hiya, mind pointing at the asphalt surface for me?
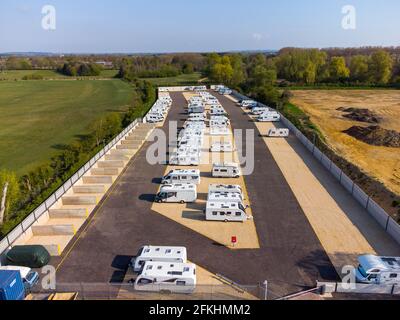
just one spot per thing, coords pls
(291, 257)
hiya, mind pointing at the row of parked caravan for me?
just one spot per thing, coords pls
(221, 89)
(160, 109)
(265, 114)
(225, 202)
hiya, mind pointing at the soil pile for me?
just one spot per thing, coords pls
(360, 115)
(376, 136)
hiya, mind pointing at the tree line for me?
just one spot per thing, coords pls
(21, 195)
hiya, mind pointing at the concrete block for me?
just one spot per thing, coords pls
(53, 230)
(129, 147)
(79, 200)
(111, 164)
(123, 152)
(118, 157)
(105, 171)
(89, 189)
(68, 213)
(98, 180)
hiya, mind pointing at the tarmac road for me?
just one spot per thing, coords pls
(291, 256)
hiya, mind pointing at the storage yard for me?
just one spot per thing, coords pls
(221, 233)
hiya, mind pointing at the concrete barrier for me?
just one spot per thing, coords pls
(378, 213)
(123, 152)
(111, 164)
(393, 229)
(68, 213)
(53, 230)
(105, 171)
(360, 196)
(347, 183)
(98, 180)
(89, 189)
(79, 200)
(116, 157)
(365, 288)
(336, 171)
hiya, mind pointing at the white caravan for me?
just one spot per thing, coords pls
(230, 188)
(184, 159)
(278, 133)
(177, 193)
(225, 91)
(220, 131)
(154, 118)
(196, 109)
(226, 211)
(222, 147)
(248, 103)
(269, 117)
(182, 176)
(259, 110)
(167, 277)
(226, 170)
(156, 253)
(225, 197)
(378, 270)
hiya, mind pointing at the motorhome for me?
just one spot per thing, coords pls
(29, 277)
(226, 170)
(167, 277)
(222, 147)
(248, 103)
(226, 211)
(182, 176)
(232, 188)
(269, 117)
(196, 109)
(259, 110)
(225, 91)
(220, 131)
(225, 197)
(378, 270)
(157, 253)
(154, 118)
(185, 159)
(278, 132)
(177, 193)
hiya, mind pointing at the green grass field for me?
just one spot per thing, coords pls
(47, 74)
(36, 116)
(178, 80)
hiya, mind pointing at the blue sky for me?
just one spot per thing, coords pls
(194, 25)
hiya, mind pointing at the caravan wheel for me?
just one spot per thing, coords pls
(182, 202)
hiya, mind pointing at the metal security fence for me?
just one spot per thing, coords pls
(126, 291)
(45, 206)
(377, 212)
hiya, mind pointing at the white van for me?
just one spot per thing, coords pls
(182, 176)
(222, 147)
(278, 132)
(177, 193)
(269, 117)
(29, 277)
(167, 277)
(378, 270)
(217, 112)
(225, 197)
(156, 253)
(226, 211)
(226, 170)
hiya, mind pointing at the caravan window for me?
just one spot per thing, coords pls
(393, 276)
(144, 281)
(181, 283)
(215, 213)
(238, 214)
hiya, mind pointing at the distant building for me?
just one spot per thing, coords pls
(106, 64)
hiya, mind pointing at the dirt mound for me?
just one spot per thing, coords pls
(360, 115)
(376, 136)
